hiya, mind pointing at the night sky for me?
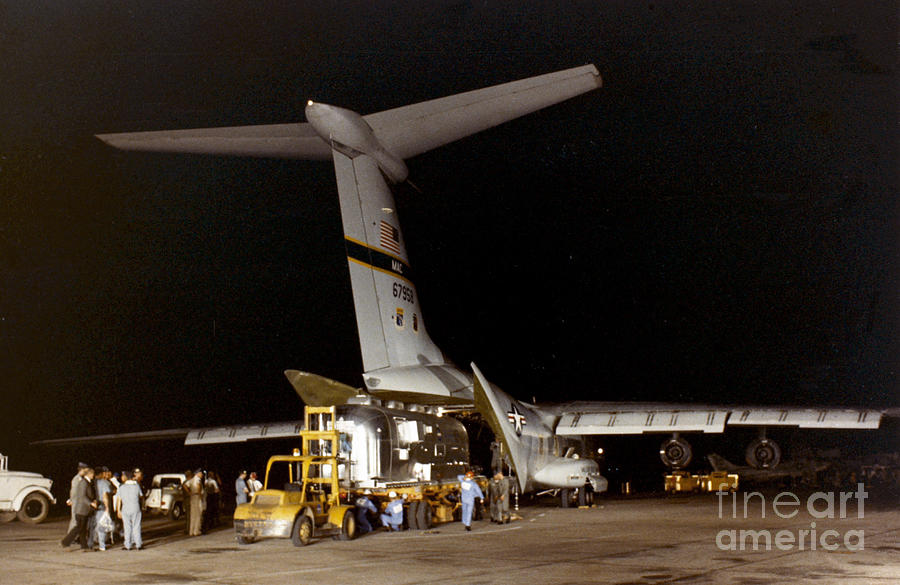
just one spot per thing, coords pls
(718, 223)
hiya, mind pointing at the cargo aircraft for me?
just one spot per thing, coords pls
(544, 444)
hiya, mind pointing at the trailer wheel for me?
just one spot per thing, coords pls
(411, 515)
(243, 540)
(302, 532)
(423, 516)
(348, 526)
(35, 508)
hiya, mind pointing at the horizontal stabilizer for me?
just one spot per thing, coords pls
(275, 141)
(438, 384)
(417, 128)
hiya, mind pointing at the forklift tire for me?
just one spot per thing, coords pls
(423, 516)
(302, 532)
(411, 517)
(348, 526)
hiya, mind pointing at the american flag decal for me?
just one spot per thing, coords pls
(390, 237)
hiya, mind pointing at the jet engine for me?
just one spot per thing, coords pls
(675, 452)
(763, 453)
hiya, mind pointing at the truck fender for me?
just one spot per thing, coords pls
(23, 493)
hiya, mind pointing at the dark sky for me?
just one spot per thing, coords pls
(718, 223)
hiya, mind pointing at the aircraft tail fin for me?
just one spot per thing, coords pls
(369, 152)
(508, 418)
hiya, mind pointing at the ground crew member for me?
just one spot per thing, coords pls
(498, 489)
(393, 516)
(195, 489)
(470, 491)
(363, 506)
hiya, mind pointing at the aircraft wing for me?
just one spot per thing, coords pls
(204, 436)
(628, 419)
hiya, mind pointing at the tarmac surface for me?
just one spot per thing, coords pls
(647, 540)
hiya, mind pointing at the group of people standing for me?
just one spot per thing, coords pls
(245, 486)
(202, 500)
(101, 501)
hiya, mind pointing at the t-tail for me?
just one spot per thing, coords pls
(400, 361)
(540, 458)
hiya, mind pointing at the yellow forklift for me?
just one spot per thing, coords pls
(307, 504)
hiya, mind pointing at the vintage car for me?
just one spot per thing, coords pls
(24, 495)
(166, 496)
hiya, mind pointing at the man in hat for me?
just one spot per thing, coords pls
(363, 507)
(499, 492)
(393, 514)
(241, 489)
(469, 491)
(79, 476)
(195, 488)
(83, 506)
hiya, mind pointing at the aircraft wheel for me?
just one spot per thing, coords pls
(675, 452)
(763, 454)
(35, 508)
(348, 526)
(423, 516)
(302, 532)
(565, 498)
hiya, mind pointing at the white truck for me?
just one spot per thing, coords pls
(24, 495)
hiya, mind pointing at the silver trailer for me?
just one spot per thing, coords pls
(387, 444)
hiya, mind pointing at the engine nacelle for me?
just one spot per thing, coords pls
(763, 453)
(675, 452)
